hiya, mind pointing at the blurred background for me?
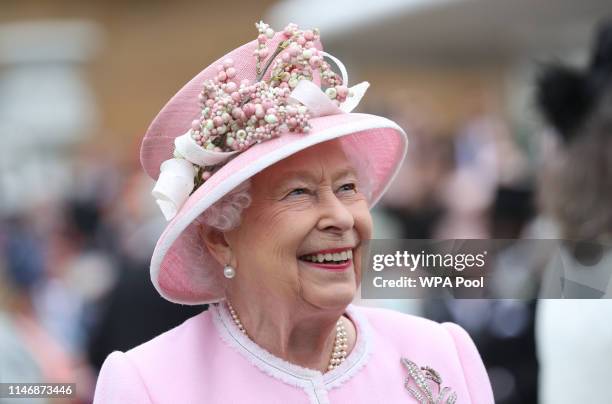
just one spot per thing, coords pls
(81, 81)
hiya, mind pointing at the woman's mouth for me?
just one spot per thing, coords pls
(337, 259)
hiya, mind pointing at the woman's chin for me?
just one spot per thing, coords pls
(336, 297)
(327, 287)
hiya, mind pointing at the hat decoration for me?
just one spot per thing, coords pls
(235, 116)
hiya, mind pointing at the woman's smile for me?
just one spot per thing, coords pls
(334, 259)
(333, 267)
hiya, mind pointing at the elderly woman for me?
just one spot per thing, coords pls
(268, 181)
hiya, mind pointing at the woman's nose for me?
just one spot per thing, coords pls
(335, 215)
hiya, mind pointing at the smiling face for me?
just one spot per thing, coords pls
(304, 210)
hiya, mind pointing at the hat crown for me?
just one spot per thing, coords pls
(235, 113)
(172, 122)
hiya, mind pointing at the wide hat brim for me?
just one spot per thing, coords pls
(182, 269)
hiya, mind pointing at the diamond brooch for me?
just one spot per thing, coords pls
(419, 386)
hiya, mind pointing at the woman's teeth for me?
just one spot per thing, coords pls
(329, 257)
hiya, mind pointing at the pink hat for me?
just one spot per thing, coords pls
(220, 129)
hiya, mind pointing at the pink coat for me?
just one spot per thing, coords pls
(208, 360)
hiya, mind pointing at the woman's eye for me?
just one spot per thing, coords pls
(298, 191)
(348, 187)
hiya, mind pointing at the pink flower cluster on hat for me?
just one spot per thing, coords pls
(236, 116)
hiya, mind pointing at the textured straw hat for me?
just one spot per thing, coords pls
(255, 106)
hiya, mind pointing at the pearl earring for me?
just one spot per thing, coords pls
(229, 272)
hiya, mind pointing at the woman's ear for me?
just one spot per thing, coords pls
(217, 244)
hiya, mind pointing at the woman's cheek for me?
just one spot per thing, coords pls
(363, 224)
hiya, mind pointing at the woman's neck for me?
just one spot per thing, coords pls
(300, 335)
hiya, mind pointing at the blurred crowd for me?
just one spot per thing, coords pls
(74, 278)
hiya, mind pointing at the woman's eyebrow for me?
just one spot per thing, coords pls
(345, 172)
(297, 175)
(310, 177)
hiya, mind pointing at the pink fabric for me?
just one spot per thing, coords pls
(205, 360)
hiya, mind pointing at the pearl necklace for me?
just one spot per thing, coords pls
(338, 354)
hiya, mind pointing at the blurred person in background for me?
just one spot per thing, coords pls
(412, 206)
(29, 353)
(488, 167)
(575, 336)
(119, 321)
(60, 261)
(485, 194)
(65, 267)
